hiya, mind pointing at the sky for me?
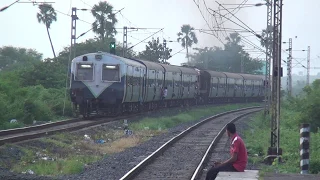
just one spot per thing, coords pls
(19, 26)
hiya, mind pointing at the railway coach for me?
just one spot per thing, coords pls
(102, 83)
(230, 87)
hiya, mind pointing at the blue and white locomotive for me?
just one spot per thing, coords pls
(104, 83)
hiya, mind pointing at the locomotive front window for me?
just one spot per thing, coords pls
(110, 73)
(84, 72)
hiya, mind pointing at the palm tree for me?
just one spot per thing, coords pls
(187, 37)
(105, 20)
(46, 16)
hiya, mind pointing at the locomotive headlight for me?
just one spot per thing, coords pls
(111, 67)
(86, 66)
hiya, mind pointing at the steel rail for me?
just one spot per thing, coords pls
(213, 144)
(135, 170)
(19, 136)
(31, 128)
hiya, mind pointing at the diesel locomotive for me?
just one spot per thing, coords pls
(106, 84)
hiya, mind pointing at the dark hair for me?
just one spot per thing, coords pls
(231, 128)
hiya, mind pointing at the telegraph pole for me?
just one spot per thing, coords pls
(74, 19)
(308, 66)
(125, 40)
(274, 150)
(289, 69)
(269, 48)
(164, 50)
(242, 64)
(72, 50)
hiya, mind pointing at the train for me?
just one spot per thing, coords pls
(105, 84)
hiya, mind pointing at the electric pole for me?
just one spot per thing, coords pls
(125, 41)
(242, 64)
(164, 50)
(289, 69)
(308, 66)
(72, 52)
(274, 150)
(74, 19)
(269, 48)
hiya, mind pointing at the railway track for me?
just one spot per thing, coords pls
(21, 134)
(185, 155)
(25, 133)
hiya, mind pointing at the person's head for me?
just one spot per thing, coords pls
(231, 129)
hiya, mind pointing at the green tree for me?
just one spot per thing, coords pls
(266, 40)
(12, 57)
(155, 52)
(227, 59)
(92, 46)
(307, 104)
(46, 16)
(187, 37)
(104, 24)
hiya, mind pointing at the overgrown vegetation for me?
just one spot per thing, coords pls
(67, 153)
(34, 89)
(301, 109)
(165, 122)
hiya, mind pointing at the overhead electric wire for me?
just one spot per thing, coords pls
(86, 4)
(144, 39)
(6, 7)
(67, 14)
(237, 8)
(176, 53)
(206, 20)
(205, 5)
(252, 31)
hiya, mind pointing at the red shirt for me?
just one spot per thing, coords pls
(238, 146)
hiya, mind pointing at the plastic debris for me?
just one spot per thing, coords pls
(87, 137)
(128, 132)
(29, 171)
(100, 141)
(13, 121)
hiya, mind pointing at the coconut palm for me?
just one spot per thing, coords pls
(187, 37)
(46, 16)
(105, 20)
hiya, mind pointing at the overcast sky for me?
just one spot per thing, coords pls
(19, 26)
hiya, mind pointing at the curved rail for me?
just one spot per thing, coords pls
(134, 171)
(31, 128)
(211, 146)
(21, 134)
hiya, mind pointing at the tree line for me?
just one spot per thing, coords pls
(228, 58)
(33, 88)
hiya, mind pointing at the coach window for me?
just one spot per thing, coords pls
(84, 72)
(110, 73)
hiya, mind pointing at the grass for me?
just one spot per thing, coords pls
(165, 122)
(71, 152)
(257, 140)
(71, 165)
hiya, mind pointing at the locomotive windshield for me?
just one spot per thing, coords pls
(84, 72)
(110, 73)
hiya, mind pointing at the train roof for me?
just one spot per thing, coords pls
(150, 65)
(215, 73)
(233, 75)
(128, 61)
(186, 70)
(251, 77)
(170, 68)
